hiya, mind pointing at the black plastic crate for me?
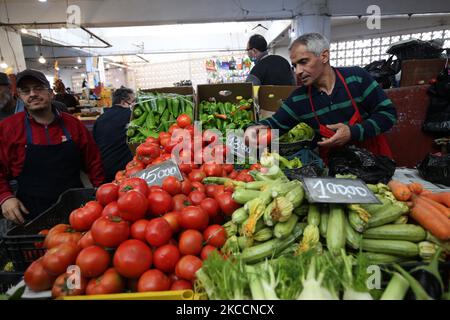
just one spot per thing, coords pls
(8, 279)
(23, 242)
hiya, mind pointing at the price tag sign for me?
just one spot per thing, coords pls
(332, 190)
(238, 148)
(156, 174)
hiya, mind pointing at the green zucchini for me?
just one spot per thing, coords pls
(283, 229)
(242, 196)
(263, 235)
(394, 247)
(239, 216)
(314, 215)
(353, 238)
(407, 232)
(390, 214)
(271, 248)
(382, 258)
(324, 215)
(356, 222)
(336, 235)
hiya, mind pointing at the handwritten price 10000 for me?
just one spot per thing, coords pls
(332, 188)
(151, 176)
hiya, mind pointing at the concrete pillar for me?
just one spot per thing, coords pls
(12, 51)
(314, 17)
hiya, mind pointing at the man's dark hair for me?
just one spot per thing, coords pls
(257, 42)
(121, 94)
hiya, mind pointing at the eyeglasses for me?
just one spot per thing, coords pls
(27, 91)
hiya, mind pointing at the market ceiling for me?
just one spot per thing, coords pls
(110, 13)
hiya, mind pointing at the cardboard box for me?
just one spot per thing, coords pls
(225, 92)
(270, 98)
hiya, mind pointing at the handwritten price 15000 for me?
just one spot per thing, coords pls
(332, 188)
(151, 176)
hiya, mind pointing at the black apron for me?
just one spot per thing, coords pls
(48, 171)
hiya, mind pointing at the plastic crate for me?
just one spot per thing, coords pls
(8, 279)
(21, 241)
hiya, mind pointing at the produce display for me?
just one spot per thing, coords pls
(155, 113)
(242, 234)
(226, 116)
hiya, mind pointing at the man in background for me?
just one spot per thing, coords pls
(7, 101)
(269, 69)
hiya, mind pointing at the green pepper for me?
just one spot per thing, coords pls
(148, 133)
(189, 109)
(131, 132)
(150, 121)
(182, 104)
(169, 104)
(137, 112)
(153, 103)
(139, 121)
(161, 103)
(176, 107)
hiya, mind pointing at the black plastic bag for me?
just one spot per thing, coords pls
(361, 163)
(384, 71)
(436, 169)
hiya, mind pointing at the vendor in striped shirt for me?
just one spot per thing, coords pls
(343, 105)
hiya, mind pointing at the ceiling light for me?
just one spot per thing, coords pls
(117, 80)
(108, 66)
(3, 64)
(42, 59)
(120, 69)
(83, 75)
(76, 67)
(42, 0)
(292, 34)
(79, 60)
(24, 31)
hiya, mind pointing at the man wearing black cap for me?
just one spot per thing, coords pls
(44, 150)
(7, 102)
(269, 69)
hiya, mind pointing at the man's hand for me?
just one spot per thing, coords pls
(251, 134)
(12, 210)
(340, 138)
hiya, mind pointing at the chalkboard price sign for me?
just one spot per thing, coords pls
(332, 190)
(156, 174)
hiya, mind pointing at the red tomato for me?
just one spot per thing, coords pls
(166, 258)
(172, 219)
(61, 289)
(159, 203)
(171, 185)
(93, 261)
(191, 242)
(146, 152)
(109, 282)
(86, 240)
(228, 168)
(40, 244)
(132, 205)
(226, 203)
(196, 197)
(165, 140)
(186, 187)
(264, 136)
(181, 285)
(107, 193)
(153, 280)
(61, 233)
(132, 258)
(180, 201)
(207, 250)
(81, 219)
(212, 170)
(233, 174)
(158, 232)
(210, 190)
(152, 140)
(173, 127)
(137, 229)
(197, 175)
(218, 190)
(137, 184)
(187, 267)
(255, 166)
(163, 135)
(185, 167)
(210, 136)
(57, 259)
(215, 235)
(193, 218)
(110, 231)
(183, 120)
(198, 186)
(36, 278)
(211, 206)
(120, 176)
(111, 209)
(154, 188)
